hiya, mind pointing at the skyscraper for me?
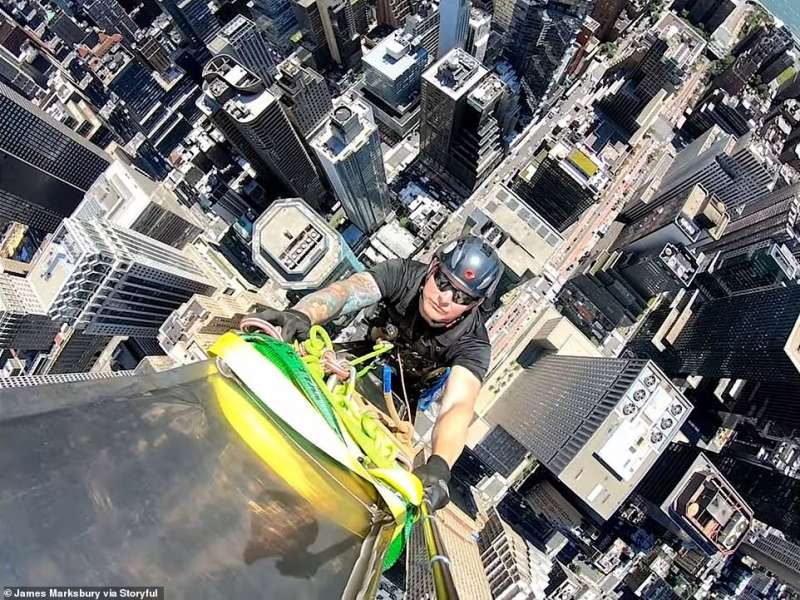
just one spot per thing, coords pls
(754, 336)
(194, 19)
(477, 147)
(392, 79)
(771, 217)
(303, 94)
(736, 171)
(560, 183)
(275, 19)
(243, 41)
(107, 280)
(775, 497)
(252, 119)
(349, 149)
(425, 24)
(686, 493)
(297, 248)
(453, 25)
(393, 12)
(539, 42)
(445, 86)
(695, 219)
(127, 198)
(111, 17)
(657, 76)
(598, 424)
(759, 266)
(45, 167)
(393, 70)
(480, 25)
(24, 322)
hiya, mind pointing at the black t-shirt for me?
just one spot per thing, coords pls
(466, 343)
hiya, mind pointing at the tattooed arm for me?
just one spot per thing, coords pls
(354, 293)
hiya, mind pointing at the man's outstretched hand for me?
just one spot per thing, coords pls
(435, 476)
(295, 325)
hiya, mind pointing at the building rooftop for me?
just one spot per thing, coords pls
(487, 92)
(524, 241)
(394, 55)
(455, 73)
(294, 245)
(348, 128)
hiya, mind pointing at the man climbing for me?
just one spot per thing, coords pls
(436, 309)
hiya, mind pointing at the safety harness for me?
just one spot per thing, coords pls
(334, 417)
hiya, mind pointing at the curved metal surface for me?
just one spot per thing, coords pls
(147, 482)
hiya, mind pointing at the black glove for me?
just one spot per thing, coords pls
(435, 475)
(294, 324)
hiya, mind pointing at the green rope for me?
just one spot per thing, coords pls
(395, 549)
(283, 356)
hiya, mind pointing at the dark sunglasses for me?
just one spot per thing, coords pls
(445, 285)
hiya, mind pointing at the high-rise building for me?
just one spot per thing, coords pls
(127, 198)
(598, 424)
(106, 280)
(153, 53)
(774, 552)
(243, 41)
(74, 352)
(194, 19)
(635, 101)
(393, 69)
(331, 24)
(753, 336)
(756, 50)
(453, 25)
(303, 94)
(275, 19)
(539, 42)
(45, 168)
(393, 12)
(192, 329)
(561, 183)
(309, 20)
(65, 27)
(736, 171)
(110, 16)
(686, 221)
(480, 25)
(445, 87)
(606, 13)
(733, 114)
(759, 266)
(349, 149)
(392, 80)
(775, 497)
(514, 567)
(477, 147)
(251, 118)
(297, 249)
(424, 23)
(458, 532)
(771, 217)
(686, 493)
(24, 322)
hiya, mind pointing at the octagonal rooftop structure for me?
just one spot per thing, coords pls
(294, 246)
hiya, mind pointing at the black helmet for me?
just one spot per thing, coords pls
(472, 265)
